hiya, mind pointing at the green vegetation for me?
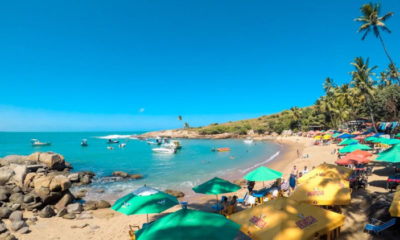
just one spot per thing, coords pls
(366, 95)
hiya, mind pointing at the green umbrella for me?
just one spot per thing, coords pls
(393, 141)
(348, 141)
(263, 174)
(390, 155)
(397, 135)
(189, 224)
(216, 186)
(336, 135)
(370, 139)
(353, 147)
(145, 200)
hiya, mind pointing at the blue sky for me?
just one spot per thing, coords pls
(136, 65)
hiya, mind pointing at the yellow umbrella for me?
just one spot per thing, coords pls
(327, 170)
(327, 137)
(323, 191)
(317, 137)
(394, 209)
(285, 219)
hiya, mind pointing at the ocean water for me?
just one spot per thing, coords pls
(190, 166)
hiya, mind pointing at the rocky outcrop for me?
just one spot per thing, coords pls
(175, 193)
(121, 174)
(52, 160)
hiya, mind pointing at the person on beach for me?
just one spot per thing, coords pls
(250, 186)
(292, 183)
(233, 203)
(298, 153)
(305, 171)
(295, 172)
(285, 186)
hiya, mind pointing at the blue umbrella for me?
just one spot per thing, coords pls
(346, 135)
(377, 134)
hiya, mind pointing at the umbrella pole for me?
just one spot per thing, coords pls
(147, 216)
(263, 184)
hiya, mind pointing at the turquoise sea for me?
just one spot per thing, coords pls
(191, 165)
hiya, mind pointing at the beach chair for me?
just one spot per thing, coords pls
(373, 227)
(242, 200)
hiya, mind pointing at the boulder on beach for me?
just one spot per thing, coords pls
(135, 176)
(103, 204)
(5, 174)
(175, 193)
(120, 174)
(5, 212)
(64, 201)
(74, 208)
(47, 212)
(52, 160)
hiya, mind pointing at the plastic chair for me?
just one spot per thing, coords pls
(242, 200)
(371, 227)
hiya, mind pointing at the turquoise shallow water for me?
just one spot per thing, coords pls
(192, 165)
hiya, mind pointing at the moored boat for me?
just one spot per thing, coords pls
(248, 141)
(37, 143)
(84, 143)
(223, 149)
(110, 141)
(164, 150)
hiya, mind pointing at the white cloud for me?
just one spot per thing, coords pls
(141, 110)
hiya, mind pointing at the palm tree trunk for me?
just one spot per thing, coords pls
(372, 117)
(390, 59)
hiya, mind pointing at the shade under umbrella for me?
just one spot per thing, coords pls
(347, 141)
(145, 200)
(391, 155)
(189, 224)
(263, 174)
(354, 147)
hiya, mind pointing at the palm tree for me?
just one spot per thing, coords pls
(371, 21)
(363, 84)
(296, 114)
(186, 125)
(392, 73)
(180, 118)
(384, 80)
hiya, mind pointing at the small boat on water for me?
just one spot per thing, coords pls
(248, 141)
(110, 148)
(223, 149)
(164, 150)
(122, 145)
(151, 143)
(84, 143)
(37, 143)
(110, 141)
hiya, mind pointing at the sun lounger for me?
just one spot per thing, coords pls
(372, 227)
(243, 200)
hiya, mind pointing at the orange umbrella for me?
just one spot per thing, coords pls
(352, 159)
(360, 153)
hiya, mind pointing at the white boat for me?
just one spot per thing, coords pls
(152, 143)
(37, 143)
(84, 143)
(248, 141)
(110, 148)
(164, 150)
(122, 145)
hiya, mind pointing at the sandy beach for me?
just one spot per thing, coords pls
(108, 224)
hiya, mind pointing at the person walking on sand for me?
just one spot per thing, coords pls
(295, 172)
(305, 171)
(292, 183)
(298, 153)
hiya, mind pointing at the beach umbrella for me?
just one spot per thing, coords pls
(360, 137)
(323, 191)
(391, 155)
(351, 159)
(346, 135)
(317, 137)
(360, 153)
(145, 200)
(377, 134)
(216, 186)
(336, 135)
(326, 170)
(326, 137)
(393, 141)
(348, 141)
(262, 174)
(284, 218)
(370, 139)
(353, 147)
(189, 224)
(397, 135)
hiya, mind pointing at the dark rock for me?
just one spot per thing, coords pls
(68, 165)
(15, 226)
(16, 189)
(175, 193)
(81, 193)
(103, 204)
(33, 206)
(69, 216)
(5, 212)
(100, 190)
(74, 208)
(5, 174)
(120, 174)
(16, 216)
(64, 201)
(3, 196)
(85, 179)
(80, 226)
(29, 198)
(47, 212)
(90, 205)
